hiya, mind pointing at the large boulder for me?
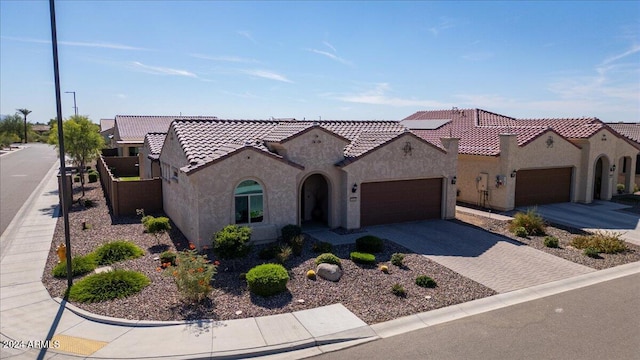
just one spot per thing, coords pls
(329, 272)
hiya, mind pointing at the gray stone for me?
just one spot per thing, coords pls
(103, 269)
(329, 272)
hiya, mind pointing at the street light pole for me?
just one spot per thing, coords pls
(75, 108)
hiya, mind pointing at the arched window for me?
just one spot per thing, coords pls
(248, 201)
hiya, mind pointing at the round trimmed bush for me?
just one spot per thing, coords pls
(520, 231)
(425, 281)
(362, 258)
(591, 252)
(551, 241)
(397, 259)
(232, 242)
(80, 265)
(369, 244)
(289, 232)
(328, 258)
(115, 251)
(267, 279)
(109, 285)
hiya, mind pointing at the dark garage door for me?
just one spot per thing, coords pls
(399, 201)
(543, 186)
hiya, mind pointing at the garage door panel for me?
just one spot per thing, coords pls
(400, 201)
(543, 186)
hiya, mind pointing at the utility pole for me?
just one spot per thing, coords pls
(75, 107)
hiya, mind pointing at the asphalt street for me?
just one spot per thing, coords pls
(20, 173)
(601, 321)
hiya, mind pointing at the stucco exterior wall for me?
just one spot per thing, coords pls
(213, 186)
(469, 169)
(390, 162)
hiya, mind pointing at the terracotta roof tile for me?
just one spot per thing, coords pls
(133, 128)
(629, 130)
(154, 141)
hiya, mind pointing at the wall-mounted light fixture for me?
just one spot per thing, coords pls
(454, 180)
(612, 168)
(513, 173)
(604, 137)
(354, 188)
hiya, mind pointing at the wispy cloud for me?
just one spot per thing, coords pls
(378, 96)
(244, 95)
(159, 70)
(265, 74)
(103, 45)
(233, 59)
(333, 54)
(247, 34)
(634, 49)
(443, 24)
(328, 44)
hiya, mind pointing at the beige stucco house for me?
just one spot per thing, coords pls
(505, 162)
(632, 132)
(267, 174)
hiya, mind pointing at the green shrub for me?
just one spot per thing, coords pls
(520, 231)
(115, 251)
(80, 265)
(322, 247)
(283, 254)
(289, 232)
(76, 179)
(109, 285)
(591, 252)
(362, 258)
(267, 279)
(425, 281)
(531, 221)
(193, 274)
(398, 290)
(551, 241)
(328, 258)
(297, 244)
(88, 203)
(156, 225)
(232, 242)
(620, 188)
(369, 244)
(93, 177)
(269, 252)
(168, 257)
(602, 242)
(397, 259)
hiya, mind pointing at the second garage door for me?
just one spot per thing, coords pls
(399, 201)
(543, 186)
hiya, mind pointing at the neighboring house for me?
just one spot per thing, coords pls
(40, 129)
(267, 174)
(505, 162)
(149, 160)
(106, 130)
(130, 130)
(632, 132)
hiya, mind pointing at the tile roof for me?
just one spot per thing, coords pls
(629, 130)
(204, 141)
(479, 129)
(133, 128)
(106, 124)
(154, 141)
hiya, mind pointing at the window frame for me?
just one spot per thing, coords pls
(248, 197)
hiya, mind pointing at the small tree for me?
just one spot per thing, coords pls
(156, 225)
(232, 242)
(24, 113)
(82, 141)
(11, 129)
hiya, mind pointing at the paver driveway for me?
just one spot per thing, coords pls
(599, 215)
(492, 260)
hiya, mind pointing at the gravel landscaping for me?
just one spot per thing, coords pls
(364, 290)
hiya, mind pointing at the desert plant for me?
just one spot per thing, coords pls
(168, 257)
(551, 241)
(322, 247)
(362, 258)
(283, 254)
(591, 252)
(108, 285)
(369, 244)
(232, 242)
(156, 225)
(425, 281)
(76, 179)
(620, 188)
(397, 259)
(531, 221)
(296, 244)
(115, 251)
(80, 265)
(193, 274)
(602, 242)
(289, 232)
(328, 258)
(520, 231)
(93, 176)
(267, 279)
(268, 252)
(398, 290)
(311, 275)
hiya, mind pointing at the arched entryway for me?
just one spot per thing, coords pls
(601, 179)
(314, 201)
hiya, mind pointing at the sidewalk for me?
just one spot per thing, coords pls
(29, 316)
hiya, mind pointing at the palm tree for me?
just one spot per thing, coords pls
(25, 112)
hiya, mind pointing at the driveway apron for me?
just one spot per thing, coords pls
(494, 261)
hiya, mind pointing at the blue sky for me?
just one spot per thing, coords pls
(329, 60)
